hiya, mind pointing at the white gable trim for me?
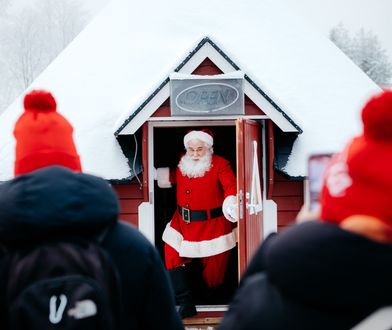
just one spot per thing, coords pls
(207, 50)
(147, 111)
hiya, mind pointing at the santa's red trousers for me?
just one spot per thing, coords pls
(214, 267)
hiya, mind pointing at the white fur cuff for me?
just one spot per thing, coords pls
(163, 177)
(230, 208)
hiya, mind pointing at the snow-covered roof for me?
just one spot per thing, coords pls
(131, 47)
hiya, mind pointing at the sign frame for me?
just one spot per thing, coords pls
(202, 95)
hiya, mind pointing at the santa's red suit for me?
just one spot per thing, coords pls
(198, 228)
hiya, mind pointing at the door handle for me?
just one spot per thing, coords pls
(240, 206)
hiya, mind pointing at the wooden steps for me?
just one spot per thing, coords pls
(203, 321)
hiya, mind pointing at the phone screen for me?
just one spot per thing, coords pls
(316, 167)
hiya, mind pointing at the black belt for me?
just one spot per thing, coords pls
(199, 215)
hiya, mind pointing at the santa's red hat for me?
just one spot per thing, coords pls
(204, 135)
(359, 180)
(43, 136)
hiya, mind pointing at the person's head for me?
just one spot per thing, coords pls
(43, 136)
(358, 180)
(197, 160)
(198, 144)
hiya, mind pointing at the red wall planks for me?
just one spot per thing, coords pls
(288, 195)
(130, 196)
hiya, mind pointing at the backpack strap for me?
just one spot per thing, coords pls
(99, 238)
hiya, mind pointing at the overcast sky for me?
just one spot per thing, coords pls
(93, 6)
(374, 15)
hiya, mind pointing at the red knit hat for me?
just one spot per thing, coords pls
(359, 180)
(43, 136)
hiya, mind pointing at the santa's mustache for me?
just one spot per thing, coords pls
(194, 167)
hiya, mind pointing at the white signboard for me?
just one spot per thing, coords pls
(196, 95)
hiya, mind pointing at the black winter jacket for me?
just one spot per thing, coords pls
(312, 276)
(54, 201)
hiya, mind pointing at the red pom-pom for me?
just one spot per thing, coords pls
(377, 117)
(208, 131)
(39, 100)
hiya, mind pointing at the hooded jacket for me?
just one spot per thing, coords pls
(56, 202)
(312, 276)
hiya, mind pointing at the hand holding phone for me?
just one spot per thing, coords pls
(317, 165)
(305, 214)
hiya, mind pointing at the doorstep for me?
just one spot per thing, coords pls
(204, 320)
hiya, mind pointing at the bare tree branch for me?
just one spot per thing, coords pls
(30, 38)
(365, 50)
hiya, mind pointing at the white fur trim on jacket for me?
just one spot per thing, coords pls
(200, 249)
(163, 177)
(230, 208)
(198, 135)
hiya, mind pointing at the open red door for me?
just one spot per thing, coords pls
(250, 229)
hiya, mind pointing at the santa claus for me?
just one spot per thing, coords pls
(203, 225)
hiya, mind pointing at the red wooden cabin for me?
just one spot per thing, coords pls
(158, 137)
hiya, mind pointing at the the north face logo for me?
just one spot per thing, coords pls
(56, 314)
(82, 309)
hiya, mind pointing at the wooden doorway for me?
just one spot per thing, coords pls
(167, 150)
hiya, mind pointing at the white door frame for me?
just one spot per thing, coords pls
(270, 214)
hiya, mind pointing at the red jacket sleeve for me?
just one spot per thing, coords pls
(227, 178)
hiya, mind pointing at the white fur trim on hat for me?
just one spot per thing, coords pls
(198, 135)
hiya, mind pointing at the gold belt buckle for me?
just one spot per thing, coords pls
(186, 215)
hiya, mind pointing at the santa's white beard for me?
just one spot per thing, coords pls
(195, 168)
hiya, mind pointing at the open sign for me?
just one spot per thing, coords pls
(206, 96)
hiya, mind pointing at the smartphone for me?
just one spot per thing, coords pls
(317, 165)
